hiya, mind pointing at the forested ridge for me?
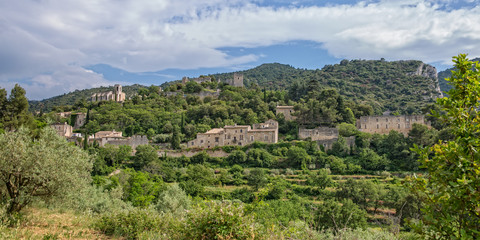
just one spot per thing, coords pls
(381, 84)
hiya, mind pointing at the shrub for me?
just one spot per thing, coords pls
(129, 224)
(219, 220)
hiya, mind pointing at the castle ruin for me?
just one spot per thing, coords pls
(116, 95)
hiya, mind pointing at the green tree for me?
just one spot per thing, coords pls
(340, 215)
(450, 189)
(257, 178)
(17, 113)
(320, 179)
(145, 154)
(298, 156)
(45, 167)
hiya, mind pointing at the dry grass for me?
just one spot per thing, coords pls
(42, 223)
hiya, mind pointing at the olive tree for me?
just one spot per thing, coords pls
(44, 167)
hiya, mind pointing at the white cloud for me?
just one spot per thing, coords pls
(49, 41)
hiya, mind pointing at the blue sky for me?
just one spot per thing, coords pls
(57, 46)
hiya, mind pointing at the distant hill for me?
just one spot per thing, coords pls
(71, 97)
(444, 85)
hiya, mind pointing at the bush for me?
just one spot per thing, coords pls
(219, 220)
(129, 224)
(173, 200)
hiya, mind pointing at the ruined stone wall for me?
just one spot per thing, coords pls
(328, 143)
(287, 112)
(319, 133)
(191, 153)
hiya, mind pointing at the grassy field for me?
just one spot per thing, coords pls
(43, 223)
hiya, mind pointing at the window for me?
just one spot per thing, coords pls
(377, 119)
(241, 130)
(201, 141)
(266, 138)
(365, 126)
(241, 137)
(234, 138)
(377, 126)
(398, 126)
(251, 138)
(216, 139)
(386, 126)
(386, 119)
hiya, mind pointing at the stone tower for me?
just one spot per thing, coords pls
(237, 80)
(117, 92)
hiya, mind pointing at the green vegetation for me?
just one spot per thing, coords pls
(293, 189)
(450, 190)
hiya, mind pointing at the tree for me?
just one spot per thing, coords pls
(176, 138)
(450, 187)
(45, 167)
(257, 178)
(145, 154)
(299, 156)
(15, 110)
(340, 215)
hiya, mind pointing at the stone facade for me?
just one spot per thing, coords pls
(116, 95)
(384, 124)
(108, 134)
(319, 133)
(237, 80)
(63, 129)
(116, 138)
(237, 135)
(80, 120)
(287, 112)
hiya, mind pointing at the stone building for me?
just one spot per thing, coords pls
(324, 136)
(116, 138)
(319, 133)
(80, 119)
(116, 95)
(237, 80)
(108, 134)
(287, 112)
(237, 135)
(384, 124)
(63, 129)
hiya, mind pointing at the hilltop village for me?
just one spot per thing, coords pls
(230, 135)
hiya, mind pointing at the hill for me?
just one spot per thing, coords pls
(77, 95)
(402, 86)
(444, 85)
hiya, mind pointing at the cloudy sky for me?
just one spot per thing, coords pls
(52, 47)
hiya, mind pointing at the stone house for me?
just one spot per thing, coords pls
(240, 135)
(384, 124)
(116, 95)
(287, 112)
(63, 129)
(116, 138)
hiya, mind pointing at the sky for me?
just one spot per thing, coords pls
(51, 47)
